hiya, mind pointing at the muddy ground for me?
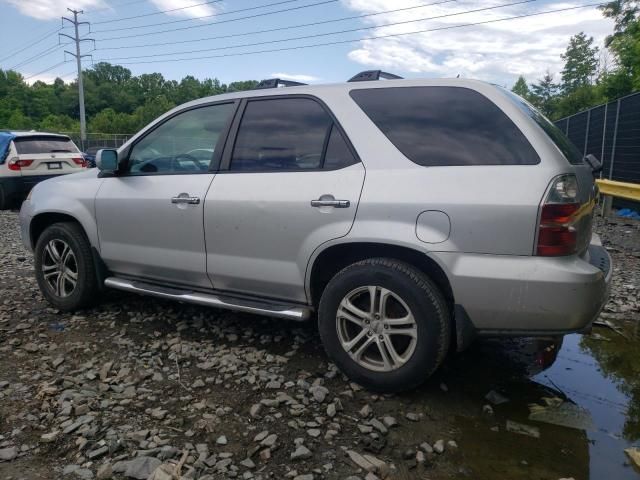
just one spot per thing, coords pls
(139, 385)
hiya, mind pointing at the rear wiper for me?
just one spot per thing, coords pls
(594, 163)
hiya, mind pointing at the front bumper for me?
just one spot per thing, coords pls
(24, 218)
(531, 296)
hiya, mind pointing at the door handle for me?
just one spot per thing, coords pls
(331, 203)
(185, 199)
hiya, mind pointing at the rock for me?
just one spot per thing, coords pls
(314, 432)
(438, 447)
(265, 454)
(331, 410)
(8, 454)
(319, 393)
(222, 440)
(50, 437)
(31, 347)
(158, 413)
(634, 455)
(496, 398)
(420, 457)
(104, 472)
(378, 425)
(523, 429)
(413, 417)
(487, 409)
(452, 444)
(425, 447)
(390, 422)
(306, 476)
(141, 467)
(254, 411)
(198, 383)
(248, 463)
(261, 436)
(365, 412)
(269, 441)
(301, 453)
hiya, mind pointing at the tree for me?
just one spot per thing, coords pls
(581, 62)
(521, 88)
(543, 94)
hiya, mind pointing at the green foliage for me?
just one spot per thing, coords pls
(521, 88)
(585, 83)
(581, 61)
(115, 100)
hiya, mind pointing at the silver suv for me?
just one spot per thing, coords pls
(407, 216)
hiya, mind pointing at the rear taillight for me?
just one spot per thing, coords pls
(16, 165)
(80, 162)
(557, 233)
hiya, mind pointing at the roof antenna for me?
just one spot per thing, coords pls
(458, 76)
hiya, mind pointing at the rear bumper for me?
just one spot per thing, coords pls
(531, 296)
(22, 185)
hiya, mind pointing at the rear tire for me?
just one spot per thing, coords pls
(393, 343)
(4, 201)
(65, 269)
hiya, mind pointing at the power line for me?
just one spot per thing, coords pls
(159, 13)
(16, 52)
(38, 56)
(45, 70)
(271, 30)
(190, 27)
(342, 42)
(316, 35)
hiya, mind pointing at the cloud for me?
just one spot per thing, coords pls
(196, 11)
(296, 77)
(496, 52)
(49, 9)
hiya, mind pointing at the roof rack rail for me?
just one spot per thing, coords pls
(374, 75)
(278, 82)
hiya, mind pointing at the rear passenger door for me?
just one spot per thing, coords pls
(289, 182)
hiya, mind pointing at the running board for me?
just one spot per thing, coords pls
(289, 312)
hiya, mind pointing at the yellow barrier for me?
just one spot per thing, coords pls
(630, 191)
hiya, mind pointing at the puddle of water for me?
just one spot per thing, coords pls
(600, 374)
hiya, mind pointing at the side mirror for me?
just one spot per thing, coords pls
(107, 160)
(594, 163)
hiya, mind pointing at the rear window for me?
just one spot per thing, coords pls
(557, 136)
(446, 126)
(44, 144)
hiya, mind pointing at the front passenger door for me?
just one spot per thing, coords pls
(150, 216)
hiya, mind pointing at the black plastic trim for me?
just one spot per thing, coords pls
(372, 75)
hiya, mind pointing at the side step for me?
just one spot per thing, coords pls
(288, 312)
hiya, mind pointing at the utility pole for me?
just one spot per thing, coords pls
(76, 38)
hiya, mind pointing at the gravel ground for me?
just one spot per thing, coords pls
(143, 388)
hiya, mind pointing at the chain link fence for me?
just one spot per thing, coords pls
(611, 132)
(96, 141)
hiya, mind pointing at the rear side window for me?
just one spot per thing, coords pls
(557, 136)
(281, 134)
(44, 144)
(446, 126)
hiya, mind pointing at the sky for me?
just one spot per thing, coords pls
(313, 41)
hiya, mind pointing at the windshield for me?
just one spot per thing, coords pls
(44, 144)
(569, 150)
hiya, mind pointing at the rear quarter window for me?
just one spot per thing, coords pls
(446, 126)
(44, 144)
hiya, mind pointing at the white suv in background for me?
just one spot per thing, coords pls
(27, 158)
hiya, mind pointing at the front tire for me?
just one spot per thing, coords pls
(385, 324)
(65, 269)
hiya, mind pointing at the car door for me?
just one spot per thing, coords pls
(150, 217)
(290, 181)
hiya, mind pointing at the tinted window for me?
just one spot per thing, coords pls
(557, 136)
(446, 126)
(338, 153)
(44, 144)
(183, 144)
(281, 134)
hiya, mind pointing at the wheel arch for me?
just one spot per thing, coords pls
(42, 220)
(329, 261)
